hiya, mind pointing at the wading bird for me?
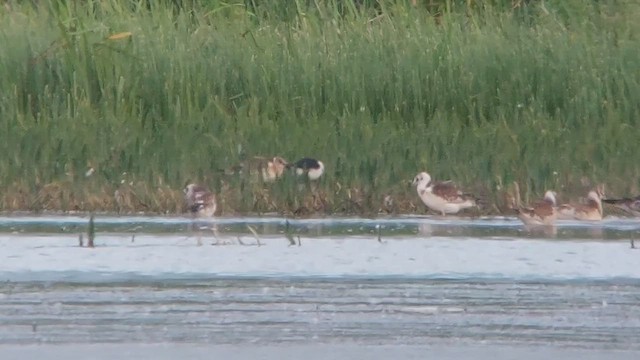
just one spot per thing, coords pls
(542, 212)
(273, 169)
(591, 211)
(312, 168)
(630, 205)
(200, 201)
(261, 168)
(443, 197)
(201, 204)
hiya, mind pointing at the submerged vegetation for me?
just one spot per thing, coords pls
(115, 105)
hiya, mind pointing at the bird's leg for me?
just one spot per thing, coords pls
(192, 227)
(214, 228)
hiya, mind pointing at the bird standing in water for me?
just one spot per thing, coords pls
(542, 212)
(630, 205)
(201, 203)
(591, 211)
(443, 197)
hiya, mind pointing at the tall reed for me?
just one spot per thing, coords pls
(154, 94)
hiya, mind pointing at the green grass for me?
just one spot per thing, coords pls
(546, 94)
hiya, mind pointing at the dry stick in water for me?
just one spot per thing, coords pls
(91, 232)
(255, 234)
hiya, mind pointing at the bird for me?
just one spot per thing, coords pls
(202, 204)
(542, 212)
(591, 211)
(267, 169)
(630, 205)
(443, 197)
(274, 168)
(200, 201)
(312, 168)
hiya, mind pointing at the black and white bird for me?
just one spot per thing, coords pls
(309, 167)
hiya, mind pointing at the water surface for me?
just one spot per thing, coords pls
(456, 288)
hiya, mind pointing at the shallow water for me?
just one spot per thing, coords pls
(457, 288)
(608, 229)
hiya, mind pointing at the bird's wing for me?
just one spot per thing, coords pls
(448, 191)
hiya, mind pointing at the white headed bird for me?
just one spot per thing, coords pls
(443, 197)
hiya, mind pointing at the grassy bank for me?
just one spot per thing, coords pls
(546, 93)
